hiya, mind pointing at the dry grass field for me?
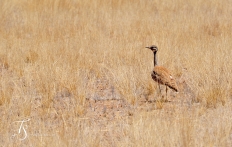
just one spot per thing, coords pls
(76, 73)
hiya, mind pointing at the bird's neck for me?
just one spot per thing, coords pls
(155, 59)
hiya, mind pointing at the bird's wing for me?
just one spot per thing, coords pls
(165, 77)
(162, 73)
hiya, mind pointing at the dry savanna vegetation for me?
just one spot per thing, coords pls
(76, 73)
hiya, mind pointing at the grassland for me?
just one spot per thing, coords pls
(77, 72)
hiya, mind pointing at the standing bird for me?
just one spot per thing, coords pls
(161, 75)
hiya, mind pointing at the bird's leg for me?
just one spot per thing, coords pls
(166, 93)
(160, 90)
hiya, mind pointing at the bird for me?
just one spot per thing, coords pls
(161, 75)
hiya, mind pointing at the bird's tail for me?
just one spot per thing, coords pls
(173, 85)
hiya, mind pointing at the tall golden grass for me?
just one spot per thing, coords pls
(50, 48)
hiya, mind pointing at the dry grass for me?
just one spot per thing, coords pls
(79, 71)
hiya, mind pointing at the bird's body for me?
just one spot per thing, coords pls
(162, 75)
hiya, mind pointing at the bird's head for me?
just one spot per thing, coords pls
(154, 48)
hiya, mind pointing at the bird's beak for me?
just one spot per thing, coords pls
(147, 47)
